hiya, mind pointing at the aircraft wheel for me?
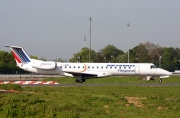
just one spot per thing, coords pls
(160, 80)
(83, 80)
(77, 81)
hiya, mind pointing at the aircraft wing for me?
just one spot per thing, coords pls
(87, 74)
(84, 74)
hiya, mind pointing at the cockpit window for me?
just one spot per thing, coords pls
(153, 66)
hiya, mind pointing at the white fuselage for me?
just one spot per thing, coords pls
(99, 69)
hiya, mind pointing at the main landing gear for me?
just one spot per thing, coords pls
(160, 80)
(80, 81)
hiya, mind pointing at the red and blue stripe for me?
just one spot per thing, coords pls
(20, 55)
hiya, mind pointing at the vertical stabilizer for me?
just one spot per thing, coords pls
(20, 55)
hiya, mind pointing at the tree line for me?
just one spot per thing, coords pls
(167, 58)
(164, 57)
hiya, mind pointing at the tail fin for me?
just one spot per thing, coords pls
(19, 54)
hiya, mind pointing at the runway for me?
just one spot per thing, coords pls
(94, 84)
(36, 80)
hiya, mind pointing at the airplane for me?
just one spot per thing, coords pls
(83, 71)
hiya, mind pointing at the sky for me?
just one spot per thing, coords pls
(56, 28)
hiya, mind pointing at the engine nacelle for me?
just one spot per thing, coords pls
(47, 65)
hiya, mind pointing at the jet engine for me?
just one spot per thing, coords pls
(46, 65)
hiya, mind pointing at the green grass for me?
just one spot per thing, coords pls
(10, 87)
(94, 101)
(117, 80)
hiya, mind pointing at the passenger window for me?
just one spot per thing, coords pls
(111, 67)
(69, 66)
(106, 67)
(78, 66)
(102, 67)
(74, 66)
(97, 67)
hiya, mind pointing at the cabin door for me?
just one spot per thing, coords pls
(137, 70)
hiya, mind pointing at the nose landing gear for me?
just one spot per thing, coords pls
(160, 80)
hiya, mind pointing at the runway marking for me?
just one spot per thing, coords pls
(29, 82)
(84, 85)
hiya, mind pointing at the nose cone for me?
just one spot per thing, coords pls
(163, 72)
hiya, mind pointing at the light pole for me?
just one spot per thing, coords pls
(79, 59)
(128, 42)
(84, 41)
(90, 41)
(136, 60)
(112, 58)
(105, 59)
(160, 57)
